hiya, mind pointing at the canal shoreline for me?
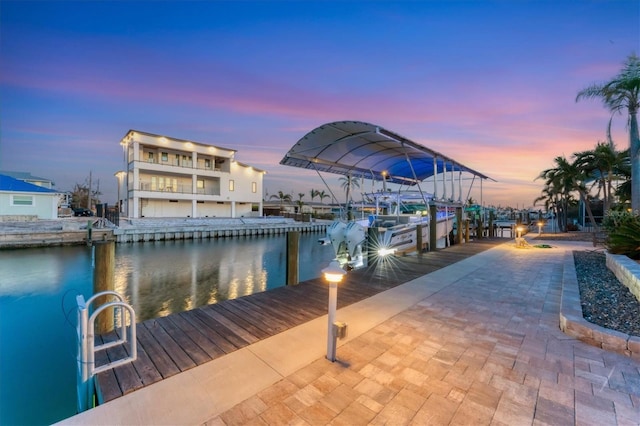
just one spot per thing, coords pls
(78, 231)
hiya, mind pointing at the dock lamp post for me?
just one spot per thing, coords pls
(540, 227)
(519, 240)
(333, 274)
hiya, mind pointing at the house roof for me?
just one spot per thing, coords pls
(23, 176)
(365, 150)
(8, 183)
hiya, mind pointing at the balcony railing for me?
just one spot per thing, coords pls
(187, 165)
(178, 189)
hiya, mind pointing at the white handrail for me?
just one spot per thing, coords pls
(86, 343)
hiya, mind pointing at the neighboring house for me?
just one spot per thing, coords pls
(168, 177)
(20, 198)
(29, 178)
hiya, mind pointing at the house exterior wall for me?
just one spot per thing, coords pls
(45, 206)
(167, 177)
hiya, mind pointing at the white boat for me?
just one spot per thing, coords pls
(366, 151)
(398, 220)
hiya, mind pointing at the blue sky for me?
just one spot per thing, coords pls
(491, 84)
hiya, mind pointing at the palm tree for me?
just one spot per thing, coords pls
(620, 94)
(602, 165)
(314, 193)
(561, 181)
(322, 194)
(282, 197)
(299, 202)
(551, 200)
(348, 183)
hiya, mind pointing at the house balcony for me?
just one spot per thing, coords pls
(174, 167)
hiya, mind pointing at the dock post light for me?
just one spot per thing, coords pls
(519, 240)
(333, 274)
(540, 227)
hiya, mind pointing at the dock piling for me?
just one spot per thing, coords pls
(293, 248)
(103, 280)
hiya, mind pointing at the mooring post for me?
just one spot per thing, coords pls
(103, 280)
(293, 244)
(89, 231)
(459, 225)
(492, 232)
(466, 230)
(419, 238)
(433, 226)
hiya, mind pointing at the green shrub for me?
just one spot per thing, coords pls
(571, 227)
(623, 229)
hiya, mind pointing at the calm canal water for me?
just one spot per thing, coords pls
(38, 315)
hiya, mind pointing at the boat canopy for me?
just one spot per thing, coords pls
(365, 150)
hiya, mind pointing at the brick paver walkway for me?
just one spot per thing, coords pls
(486, 350)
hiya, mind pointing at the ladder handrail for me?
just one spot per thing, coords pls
(133, 347)
(86, 342)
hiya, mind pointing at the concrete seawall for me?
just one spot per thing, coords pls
(74, 231)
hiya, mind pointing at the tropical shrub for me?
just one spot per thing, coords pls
(623, 229)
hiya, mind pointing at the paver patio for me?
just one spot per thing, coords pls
(486, 349)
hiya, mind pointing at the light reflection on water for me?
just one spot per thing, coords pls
(37, 301)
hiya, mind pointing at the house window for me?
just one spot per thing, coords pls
(207, 163)
(165, 157)
(200, 184)
(254, 187)
(232, 185)
(22, 200)
(150, 157)
(154, 183)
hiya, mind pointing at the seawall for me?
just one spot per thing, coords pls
(75, 231)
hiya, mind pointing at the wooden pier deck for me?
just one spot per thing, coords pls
(178, 342)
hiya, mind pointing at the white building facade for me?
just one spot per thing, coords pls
(168, 177)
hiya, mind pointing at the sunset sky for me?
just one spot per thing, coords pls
(490, 84)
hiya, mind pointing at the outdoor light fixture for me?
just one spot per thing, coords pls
(333, 274)
(540, 227)
(385, 251)
(519, 239)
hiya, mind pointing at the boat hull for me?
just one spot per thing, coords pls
(348, 239)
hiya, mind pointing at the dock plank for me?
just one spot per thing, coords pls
(256, 318)
(203, 341)
(175, 352)
(180, 341)
(194, 318)
(236, 329)
(128, 379)
(164, 364)
(239, 321)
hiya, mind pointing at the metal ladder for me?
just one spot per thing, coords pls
(87, 347)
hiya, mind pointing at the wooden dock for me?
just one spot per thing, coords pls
(178, 342)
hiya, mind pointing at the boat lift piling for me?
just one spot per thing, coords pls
(293, 248)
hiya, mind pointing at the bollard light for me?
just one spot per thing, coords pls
(540, 227)
(333, 274)
(519, 240)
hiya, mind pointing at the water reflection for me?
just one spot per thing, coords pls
(172, 276)
(37, 303)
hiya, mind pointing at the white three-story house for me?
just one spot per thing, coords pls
(169, 177)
